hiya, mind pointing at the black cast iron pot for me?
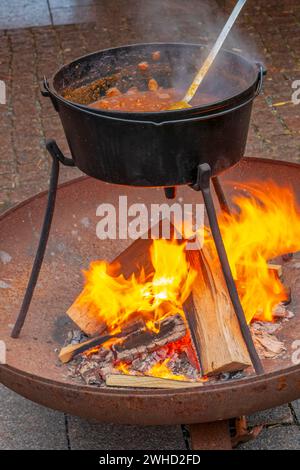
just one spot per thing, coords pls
(157, 148)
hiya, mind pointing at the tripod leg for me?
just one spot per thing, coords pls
(41, 249)
(220, 195)
(203, 184)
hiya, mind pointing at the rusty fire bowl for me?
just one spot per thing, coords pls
(32, 367)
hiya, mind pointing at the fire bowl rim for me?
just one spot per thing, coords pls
(219, 387)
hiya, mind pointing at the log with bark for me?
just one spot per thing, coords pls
(170, 329)
(134, 340)
(143, 350)
(68, 352)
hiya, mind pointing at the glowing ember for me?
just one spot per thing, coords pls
(161, 369)
(123, 367)
(168, 352)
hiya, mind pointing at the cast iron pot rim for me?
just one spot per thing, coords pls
(89, 111)
(190, 113)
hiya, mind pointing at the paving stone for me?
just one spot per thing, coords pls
(70, 3)
(74, 14)
(26, 425)
(29, 53)
(279, 415)
(24, 13)
(275, 438)
(85, 435)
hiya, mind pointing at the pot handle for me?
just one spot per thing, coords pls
(262, 72)
(45, 92)
(44, 87)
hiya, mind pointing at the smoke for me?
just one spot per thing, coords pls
(194, 21)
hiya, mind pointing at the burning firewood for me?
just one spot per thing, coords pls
(135, 340)
(144, 341)
(67, 353)
(82, 316)
(136, 256)
(120, 380)
(212, 320)
(277, 268)
(209, 312)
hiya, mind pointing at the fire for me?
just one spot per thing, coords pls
(266, 224)
(160, 369)
(167, 353)
(118, 300)
(123, 367)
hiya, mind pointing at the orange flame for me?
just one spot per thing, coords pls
(265, 225)
(123, 367)
(161, 369)
(117, 300)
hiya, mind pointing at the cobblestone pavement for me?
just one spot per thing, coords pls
(36, 37)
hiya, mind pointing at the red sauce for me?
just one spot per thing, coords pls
(154, 99)
(139, 101)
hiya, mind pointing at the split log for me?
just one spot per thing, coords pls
(212, 320)
(120, 380)
(86, 317)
